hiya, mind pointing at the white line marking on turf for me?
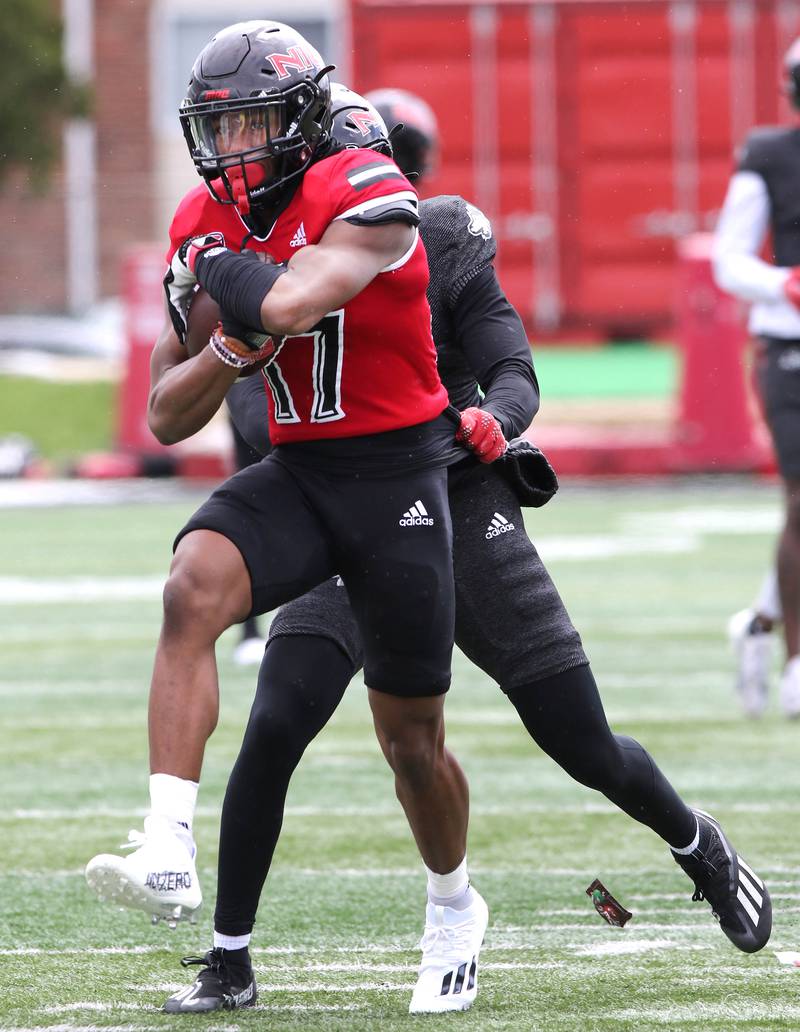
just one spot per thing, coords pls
(566, 548)
(91, 1005)
(16, 590)
(608, 949)
(18, 494)
(713, 520)
(371, 812)
(698, 1014)
(36, 951)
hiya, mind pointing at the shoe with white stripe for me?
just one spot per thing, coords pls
(448, 974)
(159, 876)
(738, 897)
(219, 986)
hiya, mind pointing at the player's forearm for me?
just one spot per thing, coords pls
(513, 397)
(496, 347)
(289, 299)
(185, 398)
(749, 278)
(303, 296)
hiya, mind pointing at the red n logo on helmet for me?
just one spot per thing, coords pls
(296, 60)
(364, 121)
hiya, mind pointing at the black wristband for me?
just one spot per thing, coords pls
(238, 283)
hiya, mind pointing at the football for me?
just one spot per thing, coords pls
(201, 319)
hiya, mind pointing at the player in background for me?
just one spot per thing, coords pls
(510, 621)
(356, 484)
(763, 198)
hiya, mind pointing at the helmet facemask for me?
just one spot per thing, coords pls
(250, 150)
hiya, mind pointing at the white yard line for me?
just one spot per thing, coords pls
(27, 590)
(385, 948)
(713, 520)
(372, 812)
(113, 1028)
(585, 547)
(45, 494)
(623, 946)
(737, 1012)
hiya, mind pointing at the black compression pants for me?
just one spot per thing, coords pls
(302, 681)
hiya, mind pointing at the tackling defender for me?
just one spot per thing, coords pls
(509, 620)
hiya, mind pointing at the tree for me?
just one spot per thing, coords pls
(35, 90)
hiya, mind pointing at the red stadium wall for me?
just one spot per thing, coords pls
(595, 134)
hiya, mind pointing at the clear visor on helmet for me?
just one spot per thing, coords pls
(246, 132)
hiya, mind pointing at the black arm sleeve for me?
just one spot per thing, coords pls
(495, 344)
(247, 405)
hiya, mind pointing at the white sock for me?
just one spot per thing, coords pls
(768, 602)
(450, 890)
(231, 942)
(173, 798)
(686, 850)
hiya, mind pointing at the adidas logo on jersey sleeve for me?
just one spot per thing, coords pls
(499, 525)
(417, 516)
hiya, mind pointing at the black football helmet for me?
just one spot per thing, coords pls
(412, 127)
(791, 73)
(356, 123)
(256, 114)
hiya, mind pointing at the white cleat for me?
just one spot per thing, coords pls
(753, 661)
(790, 689)
(159, 876)
(448, 974)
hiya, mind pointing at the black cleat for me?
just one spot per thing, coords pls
(738, 897)
(221, 985)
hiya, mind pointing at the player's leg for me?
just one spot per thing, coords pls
(399, 578)
(751, 636)
(789, 588)
(312, 652)
(512, 623)
(252, 545)
(208, 590)
(779, 383)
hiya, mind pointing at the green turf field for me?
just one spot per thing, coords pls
(650, 573)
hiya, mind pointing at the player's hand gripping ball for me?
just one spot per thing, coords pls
(204, 319)
(482, 434)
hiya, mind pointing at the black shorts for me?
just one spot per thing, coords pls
(510, 620)
(390, 541)
(778, 369)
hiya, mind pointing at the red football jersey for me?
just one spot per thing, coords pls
(369, 367)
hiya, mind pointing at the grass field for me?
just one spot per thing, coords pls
(80, 416)
(650, 573)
